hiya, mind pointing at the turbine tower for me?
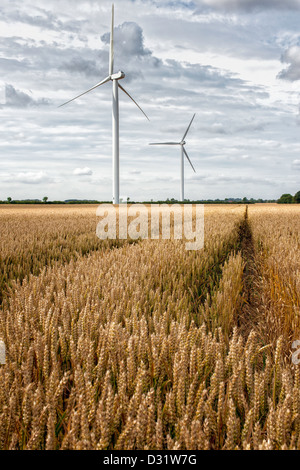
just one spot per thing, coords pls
(183, 152)
(114, 77)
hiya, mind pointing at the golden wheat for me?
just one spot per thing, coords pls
(32, 237)
(276, 234)
(142, 347)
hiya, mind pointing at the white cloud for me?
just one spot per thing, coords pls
(82, 171)
(296, 164)
(26, 177)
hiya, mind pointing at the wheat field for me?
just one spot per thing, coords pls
(120, 345)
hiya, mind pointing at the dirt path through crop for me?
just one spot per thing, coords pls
(251, 311)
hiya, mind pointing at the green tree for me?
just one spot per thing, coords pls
(9, 200)
(286, 199)
(297, 198)
(45, 199)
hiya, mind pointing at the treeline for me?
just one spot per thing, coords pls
(167, 201)
(38, 201)
(289, 199)
(284, 199)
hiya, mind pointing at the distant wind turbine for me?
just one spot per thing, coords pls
(114, 77)
(183, 152)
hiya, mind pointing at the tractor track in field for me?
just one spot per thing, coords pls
(250, 313)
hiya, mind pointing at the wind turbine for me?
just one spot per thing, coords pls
(183, 152)
(114, 77)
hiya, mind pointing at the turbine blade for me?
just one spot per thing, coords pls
(123, 89)
(85, 92)
(166, 143)
(188, 158)
(188, 128)
(111, 49)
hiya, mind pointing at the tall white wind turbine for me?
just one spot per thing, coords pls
(114, 77)
(183, 152)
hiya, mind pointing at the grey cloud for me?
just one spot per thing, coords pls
(230, 5)
(235, 179)
(248, 5)
(130, 40)
(18, 99)
(218, 128)
(13, 65)
(229, 128)
(233, 35)
(251, 127)
(78, 64)
(292, 57)
(43, 19)
(207, 75)
(130, 53)
(43, 57)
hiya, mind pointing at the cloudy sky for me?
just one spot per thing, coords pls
(235, 63)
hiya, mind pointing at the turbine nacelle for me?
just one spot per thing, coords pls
(117, 76)
(182, 143)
